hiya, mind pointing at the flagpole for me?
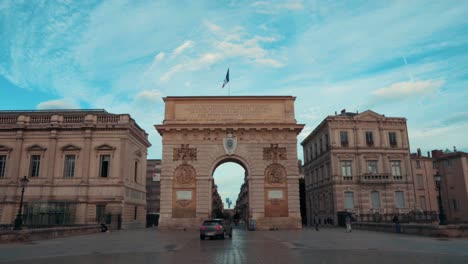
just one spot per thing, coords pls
(229, 89)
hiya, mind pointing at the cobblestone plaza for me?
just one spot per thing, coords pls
(332, 245)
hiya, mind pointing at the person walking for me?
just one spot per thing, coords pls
(396, 220)
(316, 224)
(348, 223)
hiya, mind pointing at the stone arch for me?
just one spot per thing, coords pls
(230, 158)
(252, 131)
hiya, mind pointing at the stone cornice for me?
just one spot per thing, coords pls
(234, 127)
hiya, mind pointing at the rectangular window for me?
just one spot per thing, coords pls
(69, 166)
(136, 213)
(136, 171)
(344, 138)
(349, 200)
(326, 142)
(396, 169)
(448, 163)
(372, 166)
(418, 164)
(316, 149)
(455, 204)
(392, 139)
(34, 165)
(321, 146)
(400, 199)
(369, 138)
(420, 181)
(422, 202)
(2, 165)
(346, 168)
(375, 198)
(104, 166)
(100, 212)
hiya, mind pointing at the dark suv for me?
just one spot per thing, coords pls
(215, 228)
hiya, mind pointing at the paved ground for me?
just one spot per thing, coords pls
(302, 246)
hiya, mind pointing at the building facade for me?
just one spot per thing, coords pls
(153, 185)
(424, 184)
(357, 163)
(453, 168)
(83, 166)
(153, 191)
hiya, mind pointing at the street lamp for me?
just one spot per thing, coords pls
(442, 216)
(19, 217)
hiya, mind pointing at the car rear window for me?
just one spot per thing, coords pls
(211, 223)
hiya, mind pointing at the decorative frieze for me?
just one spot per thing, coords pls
(184, 153)
(274, 153)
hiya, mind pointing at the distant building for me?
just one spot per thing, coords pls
(217, 203)
(424, 184)
(242, 202)
(453, 168)
(83, 166)
(357, 163)
(153, 191)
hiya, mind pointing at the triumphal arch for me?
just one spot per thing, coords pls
(200, 133)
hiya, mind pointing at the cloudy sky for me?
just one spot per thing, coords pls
(398, 58)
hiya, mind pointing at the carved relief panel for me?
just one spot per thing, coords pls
(184, 192)
(276, 191)
(184, 153)
(274, 153)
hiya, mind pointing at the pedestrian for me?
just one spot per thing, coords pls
(316, 223)
(348, 223)
(396, 220)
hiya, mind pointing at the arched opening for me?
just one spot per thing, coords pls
(230, 198)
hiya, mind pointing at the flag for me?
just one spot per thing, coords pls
(226, 80)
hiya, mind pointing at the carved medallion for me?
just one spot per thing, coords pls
(274, 153)
(184, 175)
(230, 144)
(185, 153)
(275, 174)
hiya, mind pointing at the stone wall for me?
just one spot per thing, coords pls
(417, 229)
(11, 236)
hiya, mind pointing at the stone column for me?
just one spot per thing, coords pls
(256, 196)
(203, 196)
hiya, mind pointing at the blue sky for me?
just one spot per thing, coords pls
(398, 58)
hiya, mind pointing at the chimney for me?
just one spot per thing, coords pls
(454, 149)
(428, 154)
(343, 111)
(336, 113)
(419, 152)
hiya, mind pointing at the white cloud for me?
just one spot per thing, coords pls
(186, 45)
(149, 95)
(192, 65)
(57, 104)
(403, 89)
(159, 57)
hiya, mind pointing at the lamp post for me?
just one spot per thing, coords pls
(442, 216)
(19, 217)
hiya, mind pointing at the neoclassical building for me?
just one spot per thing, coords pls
(424, 184)
(83, 166)
(357, 163)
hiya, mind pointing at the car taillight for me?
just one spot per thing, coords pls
(202, 227)
(218, 227)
